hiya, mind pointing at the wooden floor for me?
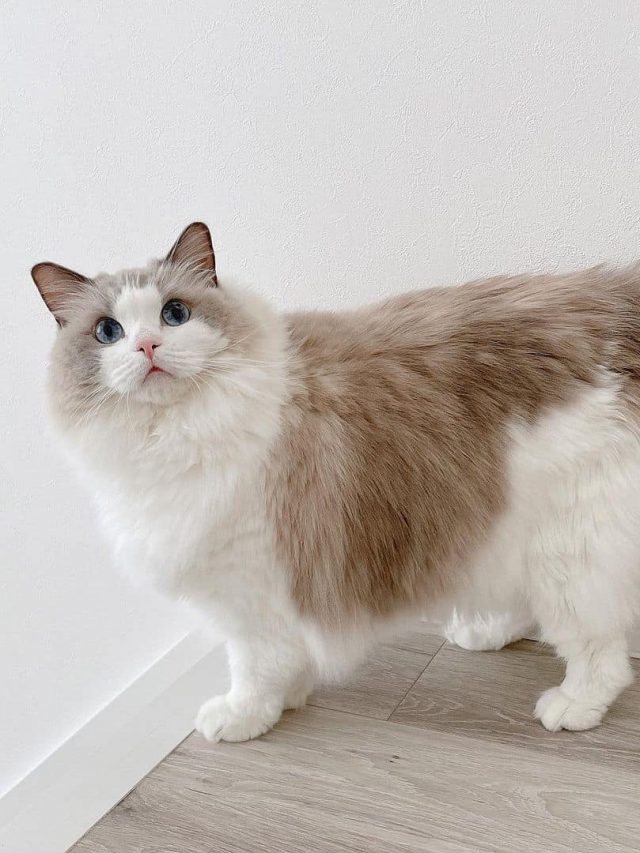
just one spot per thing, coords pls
(429, 748)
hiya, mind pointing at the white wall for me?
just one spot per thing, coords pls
(339, 151)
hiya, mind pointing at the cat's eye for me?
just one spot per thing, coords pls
(175, 313)
(108, 331)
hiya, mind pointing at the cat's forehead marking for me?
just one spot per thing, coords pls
(135, 304)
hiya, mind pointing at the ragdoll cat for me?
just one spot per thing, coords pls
(310, 481)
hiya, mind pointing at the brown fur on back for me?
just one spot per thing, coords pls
(392, 464)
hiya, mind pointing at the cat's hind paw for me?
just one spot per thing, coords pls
(484, 632)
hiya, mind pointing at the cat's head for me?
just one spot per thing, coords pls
(147, 337)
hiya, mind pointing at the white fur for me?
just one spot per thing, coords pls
(180, 490)
(184, 350)
(488, 630)
(567, 554)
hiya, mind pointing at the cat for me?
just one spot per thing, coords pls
(311, 481)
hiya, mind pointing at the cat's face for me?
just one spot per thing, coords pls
(149, 336)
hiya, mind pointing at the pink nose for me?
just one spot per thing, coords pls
(147, 346)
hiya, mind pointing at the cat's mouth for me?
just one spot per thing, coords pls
(154, 369)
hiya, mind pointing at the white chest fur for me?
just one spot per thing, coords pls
(182, 501)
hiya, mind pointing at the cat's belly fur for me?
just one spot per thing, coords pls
(571, 528)
(572, 525)
(214, 546)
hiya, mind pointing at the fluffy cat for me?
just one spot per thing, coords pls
(310, 481)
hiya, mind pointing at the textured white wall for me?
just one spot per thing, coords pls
(339, 151)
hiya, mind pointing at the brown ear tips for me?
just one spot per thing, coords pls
(194, 247)
(42, 275)
(200, 226)
(46, 273)
(54, 284)
(43, 278)
(38, 270)
(197, 228)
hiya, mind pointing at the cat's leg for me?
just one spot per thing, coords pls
(598, 670)
(489, 630)
(270, 673)
(299, 691)
(583, 569)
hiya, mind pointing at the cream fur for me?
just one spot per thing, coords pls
(179, 473)
(201, 534)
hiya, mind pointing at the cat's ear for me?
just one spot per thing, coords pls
(58, 286)
(195, 249)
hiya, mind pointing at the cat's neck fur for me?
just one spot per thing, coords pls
(227, 421)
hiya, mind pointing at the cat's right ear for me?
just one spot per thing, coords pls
(195, 249)
(57, 286)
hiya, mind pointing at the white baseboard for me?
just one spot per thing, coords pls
(58, 801)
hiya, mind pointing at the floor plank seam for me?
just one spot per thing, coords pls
(427, 665)
(438, 650)
(343, 711)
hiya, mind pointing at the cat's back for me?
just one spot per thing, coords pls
(393, 458)
(589, 318)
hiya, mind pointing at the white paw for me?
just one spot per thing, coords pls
(556, 711)
(484, 632)
(474, 640)
(224, 718)
(298, 694)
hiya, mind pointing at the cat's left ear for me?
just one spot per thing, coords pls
(195, 249)
(58, 286)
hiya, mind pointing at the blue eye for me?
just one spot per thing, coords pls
(108, 330)
(175, 313)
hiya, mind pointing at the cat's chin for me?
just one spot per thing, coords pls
(163, 389)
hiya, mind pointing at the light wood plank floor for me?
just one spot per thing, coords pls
(428, 748)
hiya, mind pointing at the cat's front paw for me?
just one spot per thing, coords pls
(225, 718)
(557, 711)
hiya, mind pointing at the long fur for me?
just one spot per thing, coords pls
(311, 481)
